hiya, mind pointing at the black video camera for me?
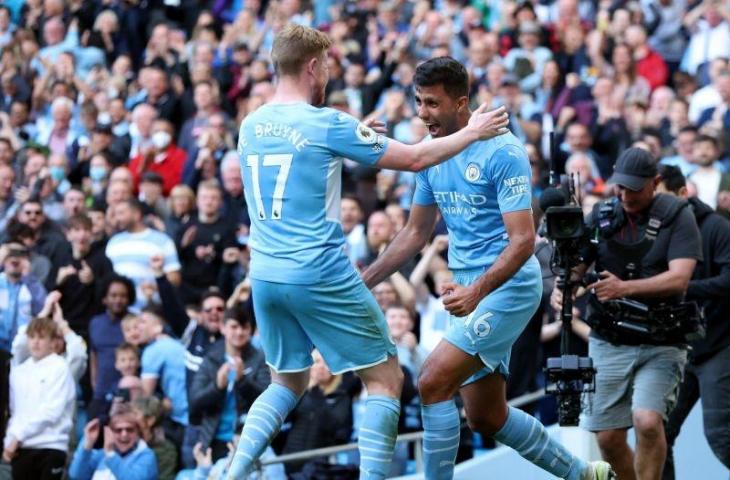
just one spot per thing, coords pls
(568, 376)
(565, 223)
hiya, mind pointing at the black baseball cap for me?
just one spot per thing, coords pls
(633, 168)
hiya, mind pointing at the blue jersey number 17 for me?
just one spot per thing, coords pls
(281, 160)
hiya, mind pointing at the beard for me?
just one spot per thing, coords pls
(318, 96)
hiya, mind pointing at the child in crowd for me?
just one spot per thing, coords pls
(42, 395)
(131, 331)
(127, 359)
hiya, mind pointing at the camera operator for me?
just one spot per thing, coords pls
(645, 248)
(706, 376)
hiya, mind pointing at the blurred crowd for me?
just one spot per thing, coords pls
(124, 228)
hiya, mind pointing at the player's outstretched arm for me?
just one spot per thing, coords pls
(482, 125)
(409, 241)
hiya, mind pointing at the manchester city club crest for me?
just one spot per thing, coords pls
(472, 172)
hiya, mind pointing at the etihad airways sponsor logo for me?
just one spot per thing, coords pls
(457, 203)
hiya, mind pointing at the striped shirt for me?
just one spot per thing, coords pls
(130, 256)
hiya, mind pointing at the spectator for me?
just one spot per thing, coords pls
(528, 61)
(623, 71)
(716, 121)
(49, 240)
(105, 335)
(410, 354)
(162, 98)
(80, 281)
(132, 330)
(126, 360)
(140, 130)
(234, 202)
(58, 135)
(351, 217)
(709, 23)
(649, 64)
(67, 343)
(434, 317)
(197, 335)
(578, 139)
(21, 297)
(665, 29)
(586, 171)
(205, 105)
(150, 195)
(162, 157)
(713, 186)
(181, 206)
(207, 243)
(683, 145)
(130, 250)
(124, 456)
(709, 95)
(7, 200)
(230, 378)
(163, 369)
(37, 439)
(150, 412)
(73, 204)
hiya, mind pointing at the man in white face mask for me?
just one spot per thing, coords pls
(162, 157)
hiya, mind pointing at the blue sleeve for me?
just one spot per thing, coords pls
(37, 294)
(142, 467)
(349, 138)
(423, 194)
(510, 171)
(152, 361)
(84, 463)
(169, 252)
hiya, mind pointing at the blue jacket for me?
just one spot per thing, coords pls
(137, 464)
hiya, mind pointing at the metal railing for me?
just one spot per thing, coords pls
(416, 437)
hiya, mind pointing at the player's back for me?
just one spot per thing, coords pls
(292, 180)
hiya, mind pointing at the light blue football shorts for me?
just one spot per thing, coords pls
(341, 319)
(492, 329)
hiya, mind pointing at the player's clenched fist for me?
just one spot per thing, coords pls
(489, 124)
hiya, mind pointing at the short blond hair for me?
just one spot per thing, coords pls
(295, 45)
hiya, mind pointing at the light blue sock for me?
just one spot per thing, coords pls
(530, 439)
(441, 427)
(376, 438)
(263, 422)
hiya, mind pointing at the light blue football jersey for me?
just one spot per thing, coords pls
(291, 163)
(473, 190)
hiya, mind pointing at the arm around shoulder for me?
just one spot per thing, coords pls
(420, 156)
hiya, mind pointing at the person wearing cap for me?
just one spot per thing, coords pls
(528, 61)
(21, 298)
(646, 250)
